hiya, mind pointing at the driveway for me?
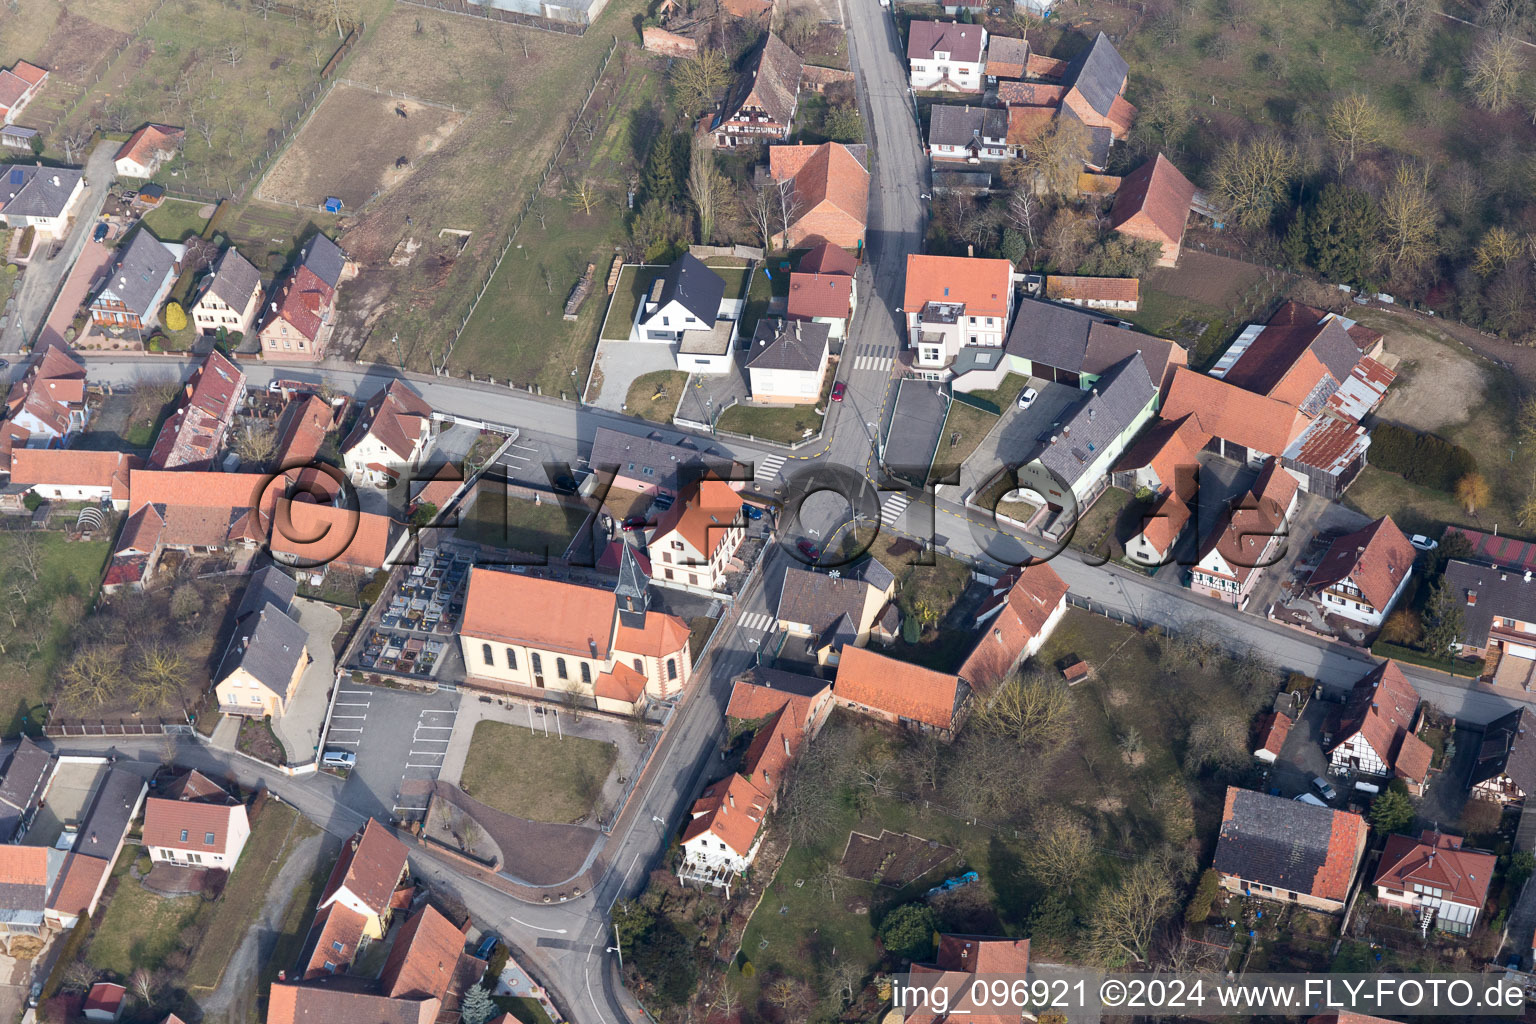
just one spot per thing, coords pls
(77, 288)
(1443, 801)
(42, 278)
(1302, 759)
(399, 739)
(1014, 436)
(618, 363)
(299, 728)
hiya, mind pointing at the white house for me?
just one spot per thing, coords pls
(971, 134)
(694, 541)
(230, 298)
(146, 149)
(1375, 731)
(788, 361)
(955, 302)
(947, 56)
(39, 197)
(1122, 294)
(390, 438)
(195, 833)
(1364, 573)
(822, 289)
(1023, 610)
(685, 298)
(70, 474)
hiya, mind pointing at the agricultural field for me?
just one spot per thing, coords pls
(72, 46)
(233, 78)
(357, 145)
(521, 89)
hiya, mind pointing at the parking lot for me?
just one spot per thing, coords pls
(1016, 435)
(400, 739)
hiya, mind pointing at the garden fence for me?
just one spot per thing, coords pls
(528, 203)
(488, 13)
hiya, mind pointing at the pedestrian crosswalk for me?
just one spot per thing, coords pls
(766, 468)
(894, 506)
(874, 357)
(758, 622)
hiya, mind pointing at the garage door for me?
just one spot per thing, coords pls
(1520, 651)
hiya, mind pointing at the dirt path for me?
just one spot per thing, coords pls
(1518, 359)
(237, 988)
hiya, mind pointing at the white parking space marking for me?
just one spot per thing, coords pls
(341, 743)
(355, 693)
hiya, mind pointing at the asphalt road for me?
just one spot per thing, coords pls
(43, 277)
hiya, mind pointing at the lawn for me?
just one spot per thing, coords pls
(1203, 330)
(764, 288)
(521, 88)
(1098, 525)
(525, 773)
(784, 424)
(69, 573)
(965, 427)
(230, 76)
(175, 220)
(138, 928)
(274, 834)
(1002, 396)
(270, 236)
(654, 396)
(524, 1008)
(497, 520)
(634, 284)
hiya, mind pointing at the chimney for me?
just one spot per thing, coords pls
(592, 644)
(1471, 597)
(786, 744)
(970, 250)
(730, 797)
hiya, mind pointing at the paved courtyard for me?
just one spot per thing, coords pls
(299, 729)
(1015, 435)
(618, 363)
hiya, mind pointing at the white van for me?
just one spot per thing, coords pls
(339, 759)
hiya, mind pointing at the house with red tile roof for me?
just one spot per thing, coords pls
(46, 406)
(28, 874)
(390, 438)
(946, 56)
(371, 867)
(63, 474)
(1007, 57)
(301, 430)
(428, 961)
(195, 833)
(725, 828)
(291, 1003)
(1434, 876)
(148, 148)
(760, 693)
(828, 194)
(1364, 574)
(694, 542)
(822, 289)
(19, 86)
(1249, 536)
(1117, 293)
(1152, 203)
(900, 692)
(1288, 851)
(1375, 731)
(540, 638)
(959, 961)
(953, 303)
(1024, 608)
(194, 433)
(296, 324)
(335, 939)
(309, 535)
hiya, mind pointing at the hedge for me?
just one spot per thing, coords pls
(1454, 666)
(68, 953)
(1423, 459)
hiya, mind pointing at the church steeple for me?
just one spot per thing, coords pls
(632, 589)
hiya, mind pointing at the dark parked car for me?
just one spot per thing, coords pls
(751, 512)
(487, 946)
(565, 484)
(808, 549)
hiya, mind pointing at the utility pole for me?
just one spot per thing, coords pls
(618, 947)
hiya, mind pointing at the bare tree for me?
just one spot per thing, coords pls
(1127, 915)
(255, 443)
(584, 194)
(787, 204)
(1354, 123)
(142, 984)
(1409, 219)
(760, 209)
(846, 975)
(92, 675)
(1400, 26)
(1060, 851)
(27, 555)
(1494, 72)
(704, 185)
(159, 671)
(1254, 177)
(700, 79)
(727, 1000)
(232, 54)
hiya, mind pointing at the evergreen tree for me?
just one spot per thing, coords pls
(1336, 235)
(1392, 812)
(1442, 619)
(477, 1007)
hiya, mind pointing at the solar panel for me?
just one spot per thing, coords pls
(17, 175)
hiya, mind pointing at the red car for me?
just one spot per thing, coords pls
(808, 550)
(634, 523)
(837, 391)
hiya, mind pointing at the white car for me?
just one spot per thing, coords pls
(1027, 397)
(1423, 543)
(339, 759)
